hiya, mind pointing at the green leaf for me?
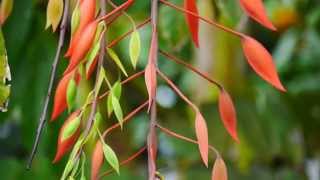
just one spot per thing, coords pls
(75, 19)
(101, 78)
(71, 94)
(117, 109)
(92, 55)
(115, 91)
(111, 157)
(71, 128)
(134, 48)
(54, 13)
(5, 75)
(116, 59)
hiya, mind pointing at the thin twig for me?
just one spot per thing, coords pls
(209, 21)
(181, 137)
(55, 63)
(195, 70)
(122, 163)
(177, 90)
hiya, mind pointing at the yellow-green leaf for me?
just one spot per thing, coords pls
(115, 91)
(5, 75)
(111, 157)
(71, 93)
(117, 109)
(71, 128)
(134, 48)
(75, 19)
(117, 60)
(5, 10)
(54, 13)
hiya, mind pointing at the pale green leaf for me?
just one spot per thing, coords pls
(71, 94)
(54, 13)
(111, 157)
(71, 128)
(75, 19)
(117, 109)
(115, 91)
(117, 60)
(134, 48)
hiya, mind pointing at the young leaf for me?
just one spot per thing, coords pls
(134, 47)
(261, 61)
(71, 93)
(75, 19)
(228, 114)
(82, 46)
(117, 109)
(5, 10)
(96, 160)
(219, 171)
(257, 12)
(115, 91)
(68, 135)
(193, 22)
(111, 157)
(117, 60)
(54, 13)
(202, 137)
(151, 81)
(5, 75)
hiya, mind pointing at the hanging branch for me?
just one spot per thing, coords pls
(54, 65)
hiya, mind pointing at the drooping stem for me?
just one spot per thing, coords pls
(153, 57)
(181, 137)
(195, 70)
(209, 21)
(100, 65)
(54, 65)
(122, 163)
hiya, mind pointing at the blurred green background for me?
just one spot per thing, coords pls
(279, 132)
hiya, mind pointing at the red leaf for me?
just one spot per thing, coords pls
(228, 114)
(193, 22)
(96, 160)
(92, 68)
(255, 9)
(261, 61)
(87, 15)
(83, 46)
(60, 98)
(66, 145)
(202, 137)
(219, 171)
(150, 71)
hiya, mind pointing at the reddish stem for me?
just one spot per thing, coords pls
(209, 21)
(177, 90)
(115, 41)
(122, 163)
(195, 70)
(126, 119)
(181, 137)
(116, 10)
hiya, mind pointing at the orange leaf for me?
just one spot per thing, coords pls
(150, 71)
(219, 171)
(228, 114)
(202, 137)
(87, 15)
(193, 22)
(96, 160)
(255, 9)
(65, 145)
(60, 98)
(261, 61)
(82, 46)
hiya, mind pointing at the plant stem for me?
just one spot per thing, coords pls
(152, 136)
(54, 65)
(195, 70)
(181, 137)
(209, 21)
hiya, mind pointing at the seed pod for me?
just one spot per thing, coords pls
(83, 46)
(68, 135)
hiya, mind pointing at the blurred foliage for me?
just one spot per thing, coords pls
(279, 132)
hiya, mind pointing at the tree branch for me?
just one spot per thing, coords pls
(54, 65)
